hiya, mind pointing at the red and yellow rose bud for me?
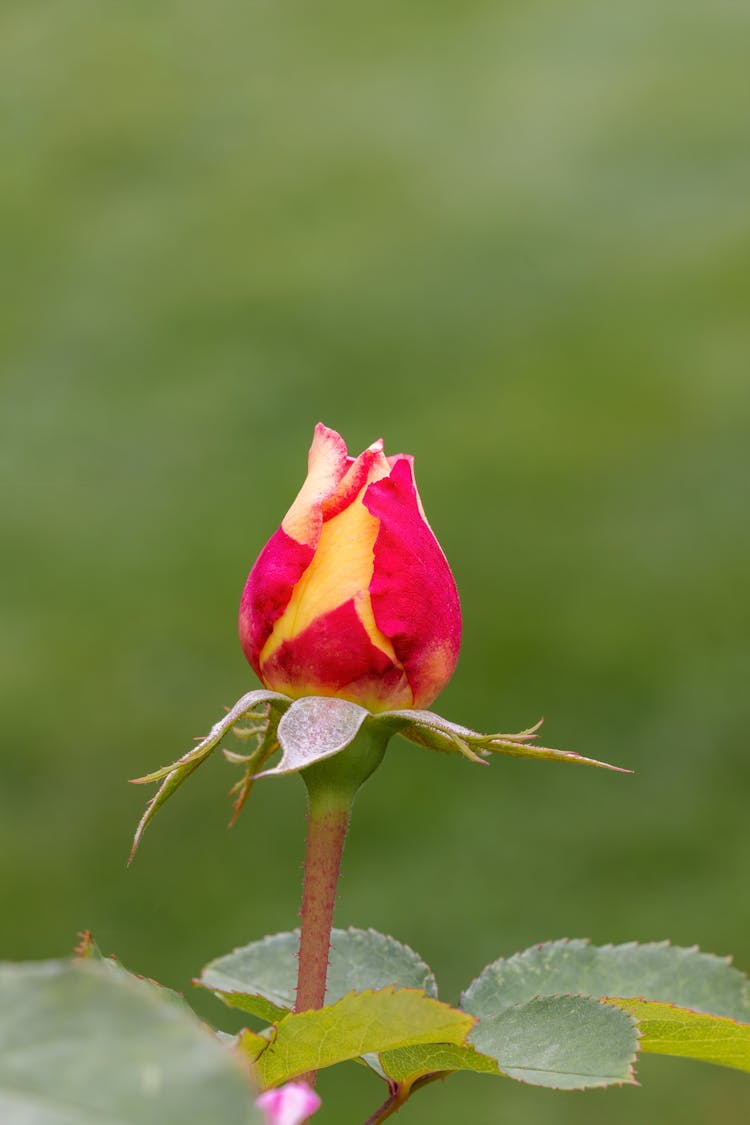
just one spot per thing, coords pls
(353, 597)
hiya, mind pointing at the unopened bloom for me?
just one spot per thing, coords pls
(352, 596)
(288, 1105)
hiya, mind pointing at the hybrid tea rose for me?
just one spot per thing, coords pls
(353, 597)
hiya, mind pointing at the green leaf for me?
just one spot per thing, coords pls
(652, 971)
(355, 1025)
(691, 1004)
(668, 1030)
(567, 1042)
(538, 1033)
(261, 978)
(406, 1064)
(315, 728)
(85, 1042)
(251, 1043)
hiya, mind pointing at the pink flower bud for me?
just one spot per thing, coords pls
(288, 1105)
(353, 596)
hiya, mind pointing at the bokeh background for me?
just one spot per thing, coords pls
(512, 238)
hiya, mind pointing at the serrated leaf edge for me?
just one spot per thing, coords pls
(390, 990)
(466, 1046)
(630, 1080)
(615, 1001)
(664, 943)
(197, 982)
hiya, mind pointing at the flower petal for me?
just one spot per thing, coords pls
(414, 596)
(369, 466)
(327, 463)
(269, 587)
(291, 1104)
(335, 656)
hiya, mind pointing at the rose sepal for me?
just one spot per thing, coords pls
(313, 729)
(263, 727)
(425, 728)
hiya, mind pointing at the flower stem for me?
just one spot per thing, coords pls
(399, 1095)
(326, 831)
(389, 1107)
(331, 786)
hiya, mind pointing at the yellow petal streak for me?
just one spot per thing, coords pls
(341, 569)
(325, 467)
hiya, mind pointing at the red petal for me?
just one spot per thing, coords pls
(335, 656)
(280, 565)
(414, 596)
(354, 479)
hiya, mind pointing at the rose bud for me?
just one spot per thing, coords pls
(353, 597)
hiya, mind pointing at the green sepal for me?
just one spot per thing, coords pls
(172, 776)
(428, 729)
(267, 745)
(314, 729)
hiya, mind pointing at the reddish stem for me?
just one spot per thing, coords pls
(331, 785)
(326, 833)
(390, 1106)
(399, 1095)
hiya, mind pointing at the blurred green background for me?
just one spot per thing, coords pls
(512, 239)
